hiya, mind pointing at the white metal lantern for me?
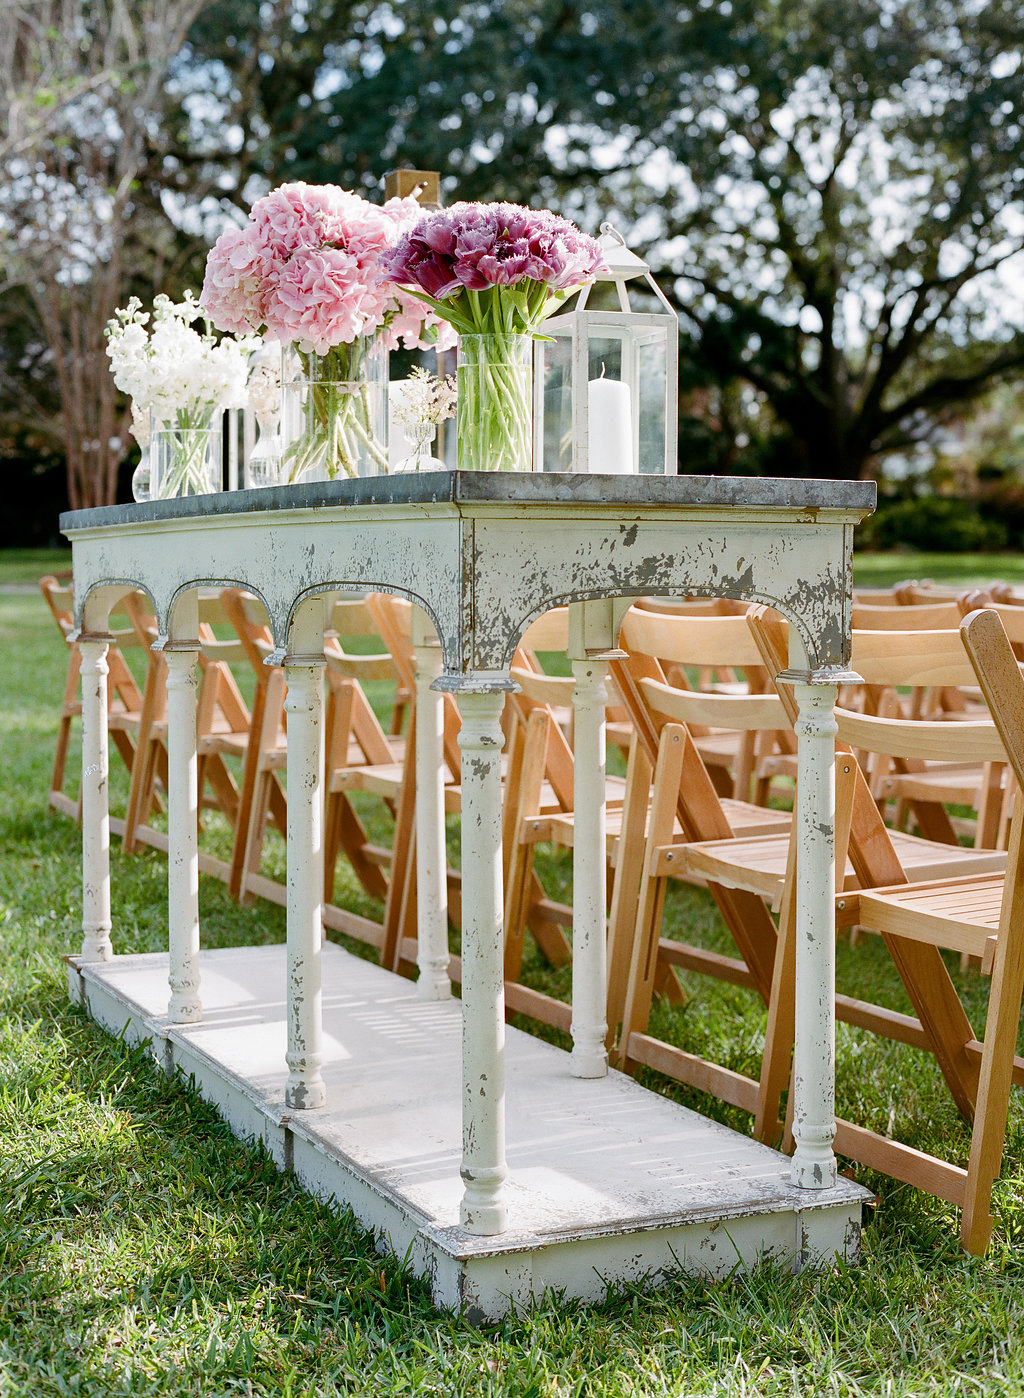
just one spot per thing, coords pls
(606, 385)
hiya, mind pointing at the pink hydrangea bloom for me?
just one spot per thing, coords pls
(307, 267)
(238, 274)
(317, 300)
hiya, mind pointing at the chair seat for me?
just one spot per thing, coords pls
(960, 914)
(758, 864)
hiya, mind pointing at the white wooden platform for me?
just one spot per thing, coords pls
(609, 1181)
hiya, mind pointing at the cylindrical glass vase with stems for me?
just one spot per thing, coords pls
(335, 411)
(495, 431)
(185, 453)
(495, 272)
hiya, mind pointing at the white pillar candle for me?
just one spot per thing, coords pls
(610, 428)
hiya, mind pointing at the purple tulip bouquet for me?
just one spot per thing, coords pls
(495, 272)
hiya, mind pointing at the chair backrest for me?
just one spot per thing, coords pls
(354, 619)
(548, 632)
(700, 642)
(692, 606)
(927, 616)
(911, 659)
(998, 672)
(544, 694)
(59, 595)
(915, 591)
(60, 600)
(892, 659)
(874, 597)
(1010, 614)
(741, 713)
(248, 616)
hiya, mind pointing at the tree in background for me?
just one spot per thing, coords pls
(832, 186)
(83, 95)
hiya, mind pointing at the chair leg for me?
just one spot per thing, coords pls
(651, 899)
(256, 834)
(626, 887)
(1001, 1028)
(141, 790)
(246, 792)
(401, 905)
(352, 840)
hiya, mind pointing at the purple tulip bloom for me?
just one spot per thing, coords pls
(489, 247)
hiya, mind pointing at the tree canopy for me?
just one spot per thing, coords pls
(831, 190)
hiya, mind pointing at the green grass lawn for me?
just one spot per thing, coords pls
(966, 569)
(144, 1251)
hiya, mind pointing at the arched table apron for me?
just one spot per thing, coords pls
(482, 555)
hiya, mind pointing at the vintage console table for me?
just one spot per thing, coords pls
(481, 555)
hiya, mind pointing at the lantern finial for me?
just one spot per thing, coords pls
(622, 263)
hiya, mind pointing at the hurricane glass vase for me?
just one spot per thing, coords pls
(421, 438)
(185, 453)
(495, 422)
(335, 412)
(263, 467)
(141, 482)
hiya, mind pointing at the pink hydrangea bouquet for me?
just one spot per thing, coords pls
(307, 269)
(496, 271)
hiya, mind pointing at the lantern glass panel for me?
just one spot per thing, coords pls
(651, 386)
(607, 356)
(555, 447)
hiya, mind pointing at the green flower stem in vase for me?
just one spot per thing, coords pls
(495, 421)
(185, 454)
(335, 412)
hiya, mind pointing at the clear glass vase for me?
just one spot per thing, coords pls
(421, 437)
(263, 467)
(185, 455)
(141, 483)
(335, 412)
(495, 409)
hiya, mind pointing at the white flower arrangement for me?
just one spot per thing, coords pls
(172, 369)
(427, 400)
(178, 379)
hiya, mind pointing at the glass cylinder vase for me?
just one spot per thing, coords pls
(495, 423)
(334, 420)
(185, 455)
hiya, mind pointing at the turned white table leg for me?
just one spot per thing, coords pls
(184, 1006)
(589, 1057)
(431, 857)
(305, 894)
(814, 1163)
(96, 943)
(483, 988)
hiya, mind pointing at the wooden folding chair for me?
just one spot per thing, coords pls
(981, 915)
(223, 729)
(746, 876)
(710, 653)
(124, 698)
